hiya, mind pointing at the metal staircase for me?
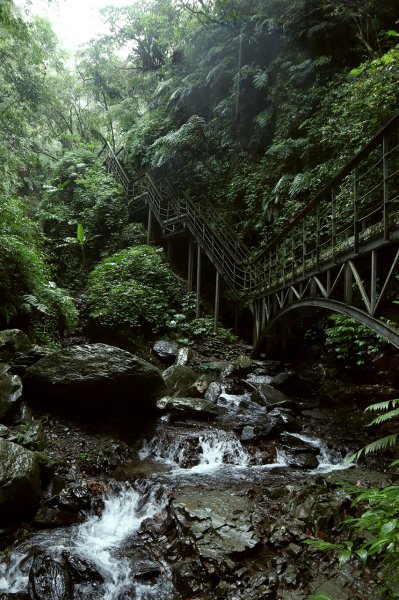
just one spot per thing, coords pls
(176, 214)
(340, 252)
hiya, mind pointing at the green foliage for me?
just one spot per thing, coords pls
(350, 341)
(82, 200)
(384, 443)
(27, 295)
(376, 530)
(133, 288)
(376, 533)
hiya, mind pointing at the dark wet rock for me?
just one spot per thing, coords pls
(4, 431)
(222, 368)
(48, 517)
(13, 341)
(50, 579)
(250, 433)
(145, 570)
(20, 483)
(187, 577)
(166, 350)
(266, 395)
(242, 364)
(79, 496)
(213, 392)
(95, 379)
(25, 413)
(10, 392)
(200, 386)
(298, 446)
(219, 522)
(285, 381)
(253, 380)
(258, 587)
(183, 357)
(31, 436)
(189, 408)
(39, 352)
(178, 380)
(81, 568)
(289, 421)
(303, 460)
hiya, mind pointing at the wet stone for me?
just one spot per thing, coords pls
(166, 350)
(49, 579)
(48, 516)
(213, 392)
(189, 408)
(219, 522)
(81, 568)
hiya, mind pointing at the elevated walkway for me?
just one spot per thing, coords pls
(340, 252)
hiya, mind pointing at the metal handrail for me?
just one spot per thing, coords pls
(352, 209)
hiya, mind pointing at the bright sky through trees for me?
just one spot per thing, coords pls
(74, 21)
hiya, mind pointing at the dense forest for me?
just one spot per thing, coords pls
(249, 107)
(246, 107)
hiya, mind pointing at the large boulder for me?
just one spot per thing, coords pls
(20, 484)
(94, 378)
(13, 341)
(10, 391)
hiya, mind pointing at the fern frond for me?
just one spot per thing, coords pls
(380, 406)
(392, 414)
(382, 444)
(35, 303)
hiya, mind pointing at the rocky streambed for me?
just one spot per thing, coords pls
(202, 479)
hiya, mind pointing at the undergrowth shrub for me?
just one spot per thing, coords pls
(132, 288)
(374, 530)
(351, 342)
(27, 298)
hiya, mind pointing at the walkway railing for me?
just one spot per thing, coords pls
(175, 213)
(357, 211)
(359, 208)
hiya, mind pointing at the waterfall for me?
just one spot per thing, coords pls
(203, 452)
(99, 540)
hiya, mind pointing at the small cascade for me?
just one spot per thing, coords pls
(329, 460)
(218, 449)
(203, 452)
(99, 541)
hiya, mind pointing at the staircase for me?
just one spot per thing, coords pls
(176, 214)
(340, 252)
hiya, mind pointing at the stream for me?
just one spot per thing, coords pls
(200, 510)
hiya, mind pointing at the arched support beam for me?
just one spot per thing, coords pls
(387, 332)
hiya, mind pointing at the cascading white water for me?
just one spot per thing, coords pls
(218, 449)
(213, 450)
(98, 540)
(329, 460)
(98, 537)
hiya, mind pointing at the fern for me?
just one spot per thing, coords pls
(392, 414)
(379, 406)
(33, 302)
